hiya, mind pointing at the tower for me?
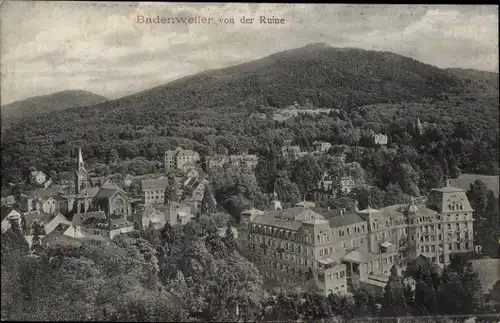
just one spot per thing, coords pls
(81, 178)
(276, 204)
(420, 127)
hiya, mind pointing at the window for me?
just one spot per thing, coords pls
(467, 245)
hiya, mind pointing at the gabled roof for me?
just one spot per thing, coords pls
(6, 210)
(106, 193)
(8, 200)
(337, 219)
(110, 184)
(90, 192)
(78, 219)
(155, 184)
(45, 192)
(120, 223)
(57, 237)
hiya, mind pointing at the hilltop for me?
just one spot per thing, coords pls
(329, 77)
(49, 103)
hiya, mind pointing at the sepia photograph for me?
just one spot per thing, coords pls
(249, 162)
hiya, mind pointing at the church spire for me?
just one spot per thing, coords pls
(80, 158)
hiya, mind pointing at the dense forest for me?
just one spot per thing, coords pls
(212, 112)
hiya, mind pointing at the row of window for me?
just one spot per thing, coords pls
(351, 231)
(277, 244)
(455, 207)
(162, 191)
(352, 243)
(279, 255)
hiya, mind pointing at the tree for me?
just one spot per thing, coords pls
(472, 292)
(394, 302)
(316, 307)
(229, 239)
(449, 298)
(35, 242)
(112, 156)
(494, 297)
(14, 225)
(171, 191)
(306, 173)
(208, 205)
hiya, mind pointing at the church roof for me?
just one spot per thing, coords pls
(106, 193)
(88, 192)
(447, 189)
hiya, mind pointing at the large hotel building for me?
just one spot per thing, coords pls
(342, 250)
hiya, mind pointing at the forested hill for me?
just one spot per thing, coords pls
(485, 81)
(332, 77)
(211, 110)
(48, 103)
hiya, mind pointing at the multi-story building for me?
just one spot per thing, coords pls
(293, 246)
(38, 177)
(290, 151)
(154, 190)
(340, 249)
(182, 159)
(379, 139)
(245, 161)
(321, 147)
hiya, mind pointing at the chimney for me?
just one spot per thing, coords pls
(356, 205)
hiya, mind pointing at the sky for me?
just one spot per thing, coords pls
(47, 47)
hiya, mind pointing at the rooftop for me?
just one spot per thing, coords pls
(447, 189)
(89, 192)
(337, 219)
(8, 199)
(360, 256)
(285, 223)
(155, 184)
(58, 237)
(105, 193)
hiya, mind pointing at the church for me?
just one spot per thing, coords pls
(108, 197)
